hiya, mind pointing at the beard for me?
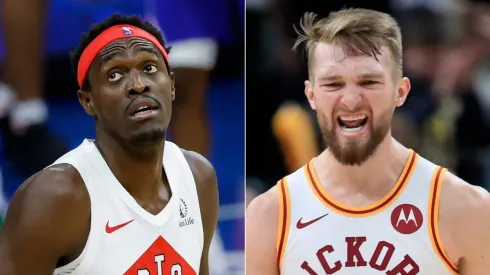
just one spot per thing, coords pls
(353, 151)
(148, 137)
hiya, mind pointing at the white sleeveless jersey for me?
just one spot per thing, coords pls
(396, 236)
(126, 239)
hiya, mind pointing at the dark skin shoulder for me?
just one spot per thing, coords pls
(48, 222)
(207, 190)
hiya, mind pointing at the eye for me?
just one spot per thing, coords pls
(369, 82)
(114, 76)
(150, 69)
(332, 86)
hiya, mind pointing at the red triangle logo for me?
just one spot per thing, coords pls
(160, 258)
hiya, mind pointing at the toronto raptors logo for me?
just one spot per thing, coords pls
(160, 259)
(406, 219)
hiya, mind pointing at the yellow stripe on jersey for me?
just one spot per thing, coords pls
(361, 211)
(284, 220)
(434, 202)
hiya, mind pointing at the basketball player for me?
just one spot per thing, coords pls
(128, 202)
(366, 205)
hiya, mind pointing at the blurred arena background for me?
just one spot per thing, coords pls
(446, 56)
(208, 49)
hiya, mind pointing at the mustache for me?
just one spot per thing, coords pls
(357, 110)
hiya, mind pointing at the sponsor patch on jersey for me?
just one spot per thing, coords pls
(185, 219)
(406, 219)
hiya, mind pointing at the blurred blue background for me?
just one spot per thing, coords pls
(220, 21)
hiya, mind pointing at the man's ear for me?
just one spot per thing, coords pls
(172, 85)
(402, 91)
(309, 94)
(86, 100)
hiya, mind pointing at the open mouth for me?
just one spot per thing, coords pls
(143, 111)
(352, 123)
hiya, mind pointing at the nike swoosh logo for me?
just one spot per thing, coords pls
(112, 229)
(301, 225)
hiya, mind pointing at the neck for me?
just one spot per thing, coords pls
(383, 168)
(139, 171)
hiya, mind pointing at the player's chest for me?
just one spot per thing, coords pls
(132, 243)
(337, 244)
(149, 251)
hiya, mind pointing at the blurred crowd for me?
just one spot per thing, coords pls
(446, 56)
(40, 118)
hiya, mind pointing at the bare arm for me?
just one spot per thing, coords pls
(48, 219)
(207, 189)
(261, 234)
(23, 22)
(467, 213)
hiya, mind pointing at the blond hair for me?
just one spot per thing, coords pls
(357, 31)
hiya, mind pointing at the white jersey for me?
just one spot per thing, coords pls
(126, 239)
(398, 235)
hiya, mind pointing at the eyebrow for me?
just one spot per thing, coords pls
(108, 57)
(371, 75)
(331, 78)
(363, 76)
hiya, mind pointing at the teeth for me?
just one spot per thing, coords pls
(352, 118)
(352, 130)
(142, 110)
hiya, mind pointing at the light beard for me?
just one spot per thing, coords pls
(354, 152)
(148, 138)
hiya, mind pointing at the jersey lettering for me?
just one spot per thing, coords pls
(353, 245)
(379, 260)
(159, 259)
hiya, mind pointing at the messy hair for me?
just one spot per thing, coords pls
(357, 31)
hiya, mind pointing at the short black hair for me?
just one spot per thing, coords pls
(98, 28)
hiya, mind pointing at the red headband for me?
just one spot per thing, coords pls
(105, 38)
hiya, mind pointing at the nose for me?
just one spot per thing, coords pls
(351, 99)
(136, 84)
